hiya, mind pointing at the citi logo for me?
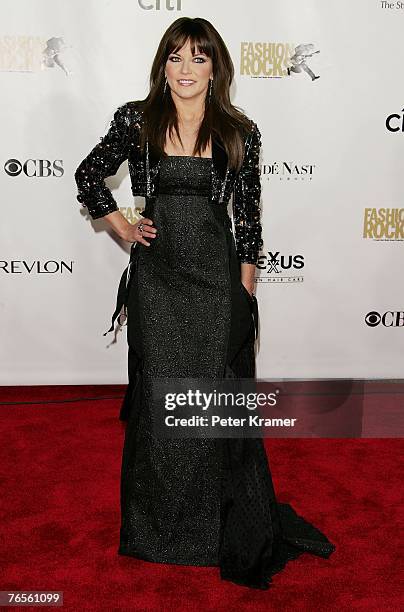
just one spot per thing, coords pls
(34, 167)
(169, 5)
(389, 318)
(50, 266)
(395, 122)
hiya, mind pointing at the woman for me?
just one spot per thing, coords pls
(191, 312)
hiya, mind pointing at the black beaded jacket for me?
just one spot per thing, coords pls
(121, 143)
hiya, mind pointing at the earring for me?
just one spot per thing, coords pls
(210, 89)
(165, 86)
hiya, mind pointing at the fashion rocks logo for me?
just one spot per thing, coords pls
(21, 53)
(383, 223)
(278, 59)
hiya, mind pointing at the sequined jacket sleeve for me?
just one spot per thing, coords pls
(246, 201)
(103, 160)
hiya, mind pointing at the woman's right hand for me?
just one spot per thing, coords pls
(137, 232)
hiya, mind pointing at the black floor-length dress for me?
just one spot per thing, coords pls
(196, 501)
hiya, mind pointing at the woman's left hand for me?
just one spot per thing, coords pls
(249, 288)
(248, 277)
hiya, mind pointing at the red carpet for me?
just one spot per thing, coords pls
(60, 469)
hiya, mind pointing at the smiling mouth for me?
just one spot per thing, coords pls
(186, 82)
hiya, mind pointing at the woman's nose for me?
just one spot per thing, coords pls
(185, 68)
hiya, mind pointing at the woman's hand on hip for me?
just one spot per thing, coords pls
(131, 232)
(140, 230)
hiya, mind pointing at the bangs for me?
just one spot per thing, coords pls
(199, 43)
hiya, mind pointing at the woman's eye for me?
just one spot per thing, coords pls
(174, 58)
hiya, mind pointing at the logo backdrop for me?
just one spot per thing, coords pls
(323, 86)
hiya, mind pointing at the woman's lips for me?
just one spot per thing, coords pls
(186, 83)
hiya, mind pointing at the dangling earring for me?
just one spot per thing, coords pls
(165, 86)
(210, 89)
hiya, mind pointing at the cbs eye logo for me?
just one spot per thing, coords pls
(34, 167)
(13, 167)
(372, 319)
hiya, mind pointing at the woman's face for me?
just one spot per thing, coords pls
(188, 75)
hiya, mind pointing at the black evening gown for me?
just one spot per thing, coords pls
(196, 501)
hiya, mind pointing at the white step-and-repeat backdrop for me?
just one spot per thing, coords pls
(323, 81)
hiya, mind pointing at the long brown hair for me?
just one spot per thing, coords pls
(222, 119)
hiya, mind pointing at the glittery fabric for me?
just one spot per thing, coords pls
(122, 142)
(179, 314)
(246, 201)
(117, 145)
(197, 501)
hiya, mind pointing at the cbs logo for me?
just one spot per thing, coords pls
(34, 167)
(387, 319)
